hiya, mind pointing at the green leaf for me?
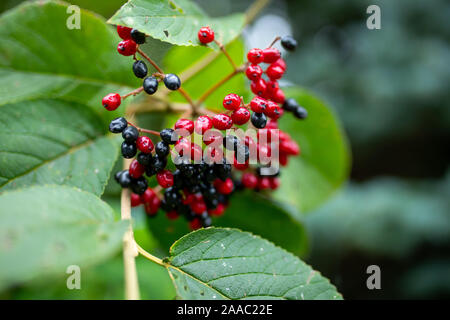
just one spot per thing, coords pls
(247, 211)
(41, 57)
(217, 263)
(309, 179)
(180, 59)
(176, 21)
(54, 142)
(45, 229)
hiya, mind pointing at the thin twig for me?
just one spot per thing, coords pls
(254, 10)
(153, 63)
(156, 133)
(225, 52)
(149, 256)
(133, 93)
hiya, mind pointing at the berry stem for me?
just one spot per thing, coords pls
(156, 133)
(153, 63)
(133, 93)
(149, 256)
(274, 41)
(225, 52)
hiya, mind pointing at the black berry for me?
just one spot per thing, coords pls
(123, 178)
(290, 104)
(139, 185)
(130, 134)
(259, 120)
(140, 69)
(300, 112)
(162, 149)
(172, 81)
(137, 36)
(150, 85)
(118, 125)
(129, 149)
(144, 158)
(289, 43)
(166, 136)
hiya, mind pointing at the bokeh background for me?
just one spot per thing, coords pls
(390, 88)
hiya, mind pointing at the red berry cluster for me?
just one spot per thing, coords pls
(197, 181)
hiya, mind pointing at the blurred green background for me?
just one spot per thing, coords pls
(390, 88)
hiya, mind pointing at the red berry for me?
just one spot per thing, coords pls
(127, 47)
(165, 178)
(273, 110)
(203, 124)
(258, 104)
(263, 183)
(231, 101)
(255, 56)
(196, 153)
(111, 101)
(195, 224)
(124, 32)
(198, 206)
(148, 195)
(183, 146)
(205, 35)
(274, 72)
(281, 63)
(253, 72)
(136, 169)
(185, 124)
(274, 183)
(224, 187)
(271, 55)
(240, 116)
(214, 154)
(278, 96)
(240, 166)
(212, 136)
(222, 121)
(172, 215)
(264, 152)
(249, 180)
(144, 144)
(152, 207)
(271, 124)
(218, 211)
(289, 147)
(259, 87)
(272, 87)
(135, 199)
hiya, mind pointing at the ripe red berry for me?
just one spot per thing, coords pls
(271, 55)
(231, 101)
(203, 124)
(283, 159)
(274, 72)
(240, 116)
(218, 211)
(127, 47)
(278, 96)
(152, 207)
(249, 180)
(136, 169)
(148, 195)
(111, 101)
(135, 199)
(240, 166)
(196, 153)
(258, 104)
(255, 56)
(172, 215)
(205, 35)
(124, 32)
(281, 63)
(289, 147)
(272, 87)
(273, 110)
(253, 72)
(165, 178)
(222, 122)
(195, 224)
(212, 136)
(198, 206)
(259, 87)
(274, 183)
(183, 146)
(224, 187)
(185, 124)
(263, 183)
(144, 144)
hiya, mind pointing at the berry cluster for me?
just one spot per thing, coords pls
(197, 181)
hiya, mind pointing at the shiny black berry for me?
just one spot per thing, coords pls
(144, 158)
(300, 112)
(290, 104)
(150, 85)
(222, 170)
(128, 149)
(206, 220)
(172, 81)
(157, 164)
(130, 134)
(123, 178)
(118, 125)
(162, 149)
(140, 69)
(258, 120)
(139, 185)
(289, 43)
(137, 36)
(166, 136)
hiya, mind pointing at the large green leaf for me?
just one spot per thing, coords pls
(45, 229)
(41, 57)
(54, 142)
(323, 165)
(217, 263)
(176, 21)
(219, 67)
(249, 212)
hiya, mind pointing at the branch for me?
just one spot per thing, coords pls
(254, 10)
